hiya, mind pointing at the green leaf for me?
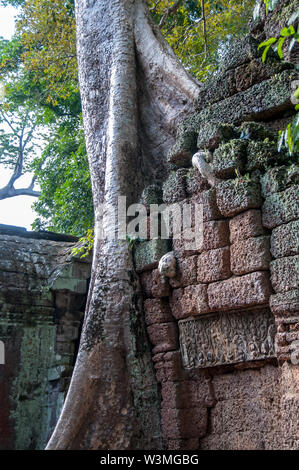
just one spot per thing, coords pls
(279, 47)
(267, 43)
(264, 56)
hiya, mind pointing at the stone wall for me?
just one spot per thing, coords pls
(225, 329)
(42, 297)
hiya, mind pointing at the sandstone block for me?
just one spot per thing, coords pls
(174, 188)
(195, 183)
(261, 155)
(164, 337)
(244, 291)
(235, 196)
(278, 179)
(195, 300)
(214, 265)
(154, 285)
(229, 158)
(280, 208)
(284, 273)
(285, 303)
(157, 311)
(246, 225)
(184, 423)
(186, 272)
(250, 255)
(148, 253)
(169, 367)
(285, 240)
(185, 146)
(240, 52)
(186, 394)
(213, 234)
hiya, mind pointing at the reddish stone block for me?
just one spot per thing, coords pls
(284, 273)
(250, 255)
(184, 423)
(186, 272)
(244, 291)
(170, 368)
(182, 444)
(154, 285)
(208, 200)
(285, 304)
(176, 304)
(164, 336)
(194, 301)
(285, 240)
(238, 195)
(214, 265)
(213, 234)
(246, 225)
(186, 394)
(157, 311)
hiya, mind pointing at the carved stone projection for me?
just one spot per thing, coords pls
(227, 338)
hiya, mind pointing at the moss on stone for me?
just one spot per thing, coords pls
(229, 158)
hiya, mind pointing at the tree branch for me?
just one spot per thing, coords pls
(7, 192)
(169, 11)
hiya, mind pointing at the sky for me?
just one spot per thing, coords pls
(16, 210)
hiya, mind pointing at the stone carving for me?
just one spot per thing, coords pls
(227, 338)
(167, 265)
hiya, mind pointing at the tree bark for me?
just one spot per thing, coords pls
(133, 92)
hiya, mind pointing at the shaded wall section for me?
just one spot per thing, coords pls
(43, 292)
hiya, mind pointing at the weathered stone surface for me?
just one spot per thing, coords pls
(261, 155)
(183, 444)
(192, 300)
(244, 291)
(263, 100)
(235, 196)
(186, 272)
(229, 158)
(214, 234)
(285, 240)
(214, 265)
(174, 188)
(284, 273)
(164, 337)
(209, 203)
(184, 423)
(219, 87)
(240, 52)
(280, 208)
(181, 153)
(256, 71)
(154, 285)
(187, 394)
(152, 194)
(227, 338)
(168, 367)
(250, 255)
(42, 298)
(246, 225)
(157, 311)
(148, 253)
(195, 183)
(278, 179)
(285, 303)
(256, 131)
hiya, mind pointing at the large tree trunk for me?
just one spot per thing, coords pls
(133, 91)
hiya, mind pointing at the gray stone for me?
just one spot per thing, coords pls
(280, 208)
(238, 195)
(148, 253)
(285, 240)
